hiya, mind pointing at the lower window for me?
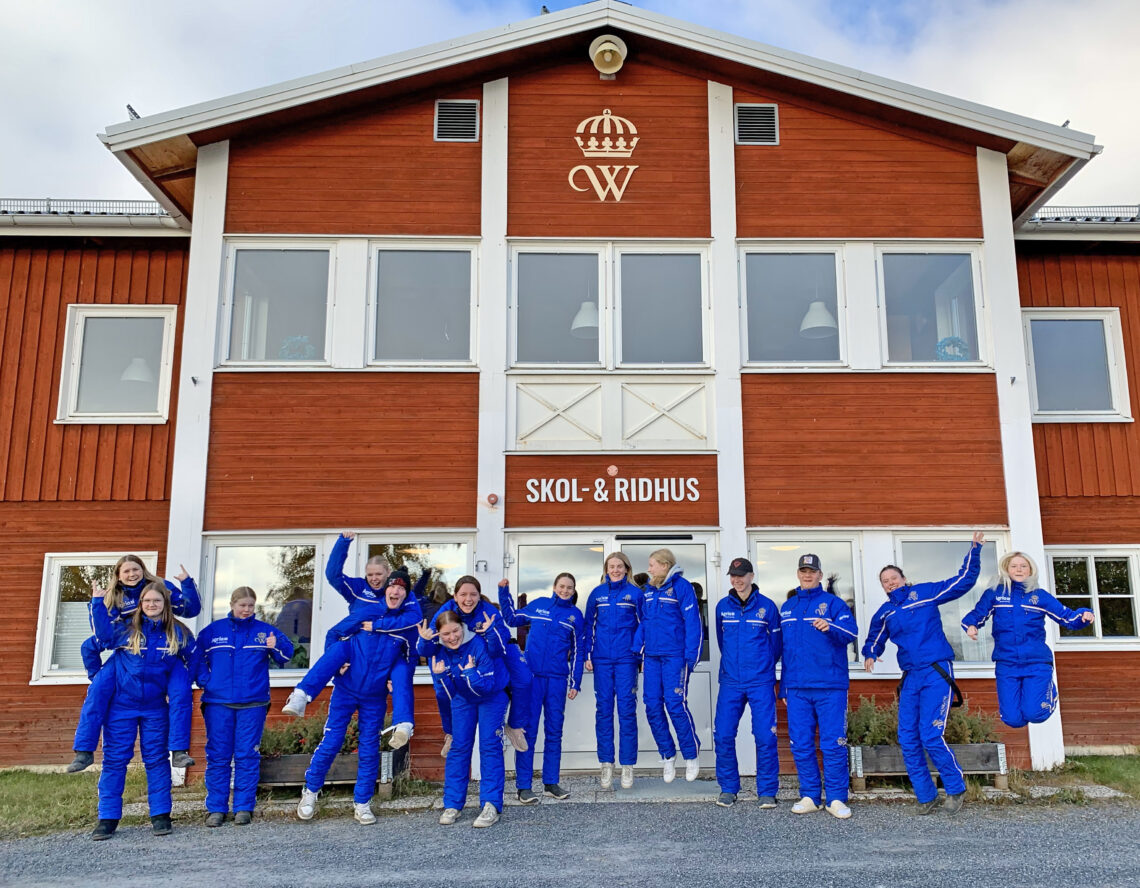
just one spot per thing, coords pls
(1103, 583)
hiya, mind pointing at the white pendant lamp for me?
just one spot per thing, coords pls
(138, 370)
(585, 323)
(818, 323)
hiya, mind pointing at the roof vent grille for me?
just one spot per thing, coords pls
(757, 125)
(457, 120)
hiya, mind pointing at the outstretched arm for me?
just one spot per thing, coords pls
(334, 569)
(184, 598)
(511, 616)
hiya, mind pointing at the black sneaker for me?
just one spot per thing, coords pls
(160, 824)
(527, 797)
(104, 829)
(726, 800)
(930, 807)
(767, 801)
(243, 818)
(555, 791)
(180, 758)
(215, 819)
(953, 803)
(81, 761)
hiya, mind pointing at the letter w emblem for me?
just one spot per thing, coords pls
(603, 188)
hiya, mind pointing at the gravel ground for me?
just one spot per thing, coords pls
(615, 845)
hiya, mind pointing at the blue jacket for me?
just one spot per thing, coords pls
(140, 679)
(612, 616)
(815, 660)
(399, 624)
(670, 621)
(487, 678)
(910, 617)
(184, 600)
(554, 647)
(232, 662)
(496, 638)
(355, 590)
(371, 657)
(749, 637)
(1019, 622)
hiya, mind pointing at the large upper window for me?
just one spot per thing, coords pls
(931, 307)
(117, 364)
(1076, 359)
(1103, 583)
(792, 308)
(422, 309)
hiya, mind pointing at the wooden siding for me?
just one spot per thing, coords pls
(1090, 520)
(865, 450)
(584, 469)
(378, 172)
(668, 194)
(342, 450)
(842, 175)
(1100, 698)
(42, 461)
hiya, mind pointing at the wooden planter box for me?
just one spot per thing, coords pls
(884, 761)
(289, 770)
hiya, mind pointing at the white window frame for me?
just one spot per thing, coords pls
(54, 562)
(273, 245)
(814, 248)
(436, 246)
(1098, 642)
(77, 315)
(1121, 410)
(984, 360)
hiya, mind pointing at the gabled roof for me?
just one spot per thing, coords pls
(161, 148)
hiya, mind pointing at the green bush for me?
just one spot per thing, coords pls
(869, 724)
(303, 735)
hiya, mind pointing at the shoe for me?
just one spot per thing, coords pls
(517, 738)
(692, 770)
(446, 748)
(84, 760)
(953, 803)
(160, 825)
(362, 811)
(668, 769)
(215, 819)
(607, 775)
(449, 816)
(627, 776)
(930, 807)
(307, 807)
(180, 758)
(526, 797)
(554, 791)
(726, 800)
(838, 809)
(243, 818)
(401, 735)
(806, 806)
(104, 829)
(489, 816)
(296, 703)
(767, 801)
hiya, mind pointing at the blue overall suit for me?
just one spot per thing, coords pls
(611, 624)
(477, 701)
(669, 637)
(555, 652)
(814, 682)
(232, 668)
(184, 602)
(910, 618)
(748, 635)
(138, 709)
(1023, 662)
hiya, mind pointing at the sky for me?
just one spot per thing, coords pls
(68, 68)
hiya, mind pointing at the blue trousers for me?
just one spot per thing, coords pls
(519, 676)
(730, 702)
(667, 689)
(924, 706)
(548, 700)
(369, 719)
(486, 715)
(337, 654)
(616, 680)
(1026, 694)
(826, 710)
(232, 735)
(97, 703)
(122, 726)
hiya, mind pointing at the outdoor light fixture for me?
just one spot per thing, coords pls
(585, 323)
(818, 322)
(608, 55)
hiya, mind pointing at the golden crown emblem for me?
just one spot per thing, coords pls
(608, 127)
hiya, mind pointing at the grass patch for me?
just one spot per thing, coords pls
(405, 786)
(1121, 772)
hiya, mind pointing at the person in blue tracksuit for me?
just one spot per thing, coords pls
(612, 616)
(121, 601)
(1023, 661)
(474, 681)
(817, 627)
(748, 635)
(146, 650)
(555, 652)
(232, 668)
(669, 638)
(911, 619)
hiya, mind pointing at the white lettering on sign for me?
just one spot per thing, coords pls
(618, 490)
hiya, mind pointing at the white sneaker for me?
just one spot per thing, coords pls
(836, 808)
(806, 806)
(607, 775)
(307, 807)
(627, 776)
(363, 812)
(446, 748)
(668, 769)
(449, 815)
(692, 770)
(296, 703)
(517, 738)
(489, 816)
(401, 735)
